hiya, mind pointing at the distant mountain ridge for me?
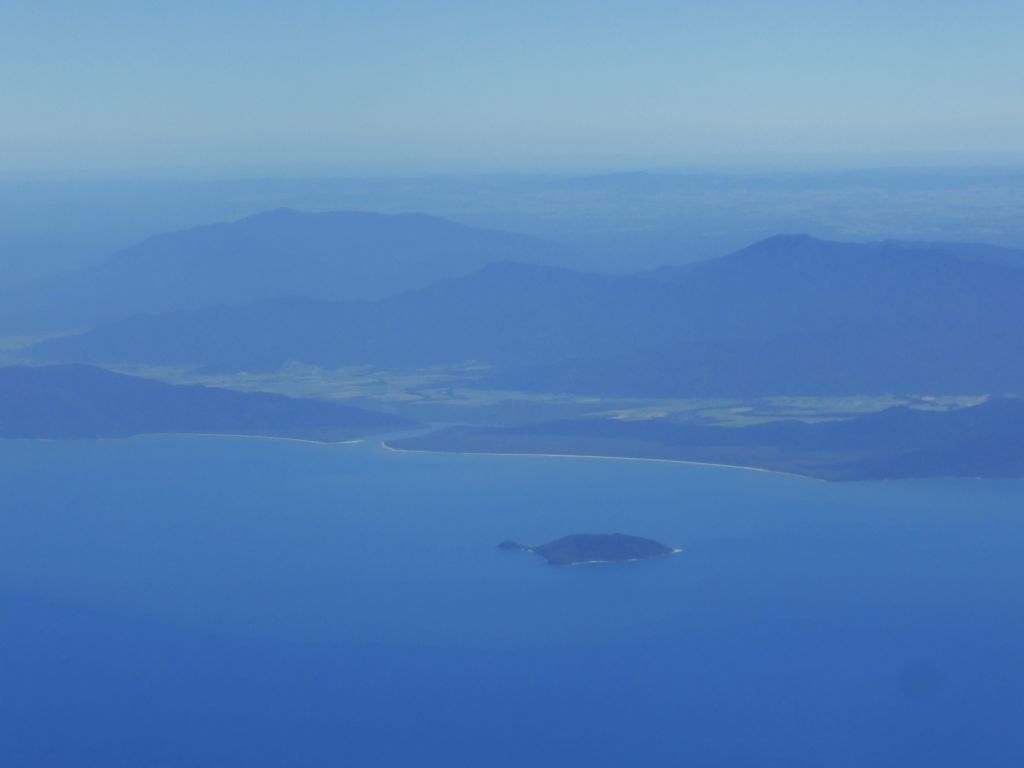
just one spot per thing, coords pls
(278, 254)
(504, 314)
(80, 401)
(788, 315)
(791, 249)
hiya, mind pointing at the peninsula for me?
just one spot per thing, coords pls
(84, 402)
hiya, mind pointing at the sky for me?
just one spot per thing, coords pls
(432, 86)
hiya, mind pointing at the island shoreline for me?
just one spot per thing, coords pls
(675, 551)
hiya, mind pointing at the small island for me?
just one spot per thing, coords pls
(584, 548)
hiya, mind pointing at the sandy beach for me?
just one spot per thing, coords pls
(608, 458)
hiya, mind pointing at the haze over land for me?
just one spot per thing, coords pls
(763, 219)
(467, 316)
(622, 222)
(791, 315)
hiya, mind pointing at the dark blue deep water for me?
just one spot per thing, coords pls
(229, 602)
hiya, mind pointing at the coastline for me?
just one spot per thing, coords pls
(608, 458)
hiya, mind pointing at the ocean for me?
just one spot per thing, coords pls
(214, 601)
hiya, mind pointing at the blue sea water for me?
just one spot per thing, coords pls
(187, 601)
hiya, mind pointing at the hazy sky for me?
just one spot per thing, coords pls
(431, 85)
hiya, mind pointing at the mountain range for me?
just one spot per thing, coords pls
(788, 315)
(279, 254)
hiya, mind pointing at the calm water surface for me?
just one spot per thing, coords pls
(184, 601)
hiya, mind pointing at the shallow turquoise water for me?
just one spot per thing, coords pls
(193, 601)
